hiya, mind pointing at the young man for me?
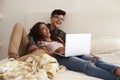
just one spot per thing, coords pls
(19, 40)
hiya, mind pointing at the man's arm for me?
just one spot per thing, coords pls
(32, 44)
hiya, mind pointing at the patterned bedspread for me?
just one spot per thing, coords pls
(42, 67)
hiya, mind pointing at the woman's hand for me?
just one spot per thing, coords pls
(94, 56)
(60, 50)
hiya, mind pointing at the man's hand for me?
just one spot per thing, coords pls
(32, 47)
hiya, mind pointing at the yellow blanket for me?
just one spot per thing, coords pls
(43, 67)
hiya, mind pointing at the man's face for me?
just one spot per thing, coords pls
(57, 20)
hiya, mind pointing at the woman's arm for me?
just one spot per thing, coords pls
(60, 50)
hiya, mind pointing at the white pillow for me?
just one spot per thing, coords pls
(105, 45)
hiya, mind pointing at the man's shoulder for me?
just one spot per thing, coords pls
(57, 29)
(61, 31)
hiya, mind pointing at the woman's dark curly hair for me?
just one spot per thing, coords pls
(35, 32)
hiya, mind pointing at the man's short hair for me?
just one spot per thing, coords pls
(58, 12)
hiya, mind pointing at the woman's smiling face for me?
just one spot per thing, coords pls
(44, 30)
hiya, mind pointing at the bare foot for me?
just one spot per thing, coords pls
(117, 71)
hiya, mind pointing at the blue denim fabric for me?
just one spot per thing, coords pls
(90, 66)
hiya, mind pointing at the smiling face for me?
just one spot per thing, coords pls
(44, 30)
(57, 20)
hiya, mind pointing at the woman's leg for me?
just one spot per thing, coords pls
(72, 63)
(18, 41)
(87, 57)
(100, 63)
(93, 70)
(80, 65)
(107, 66)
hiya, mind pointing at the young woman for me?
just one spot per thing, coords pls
(88, 64)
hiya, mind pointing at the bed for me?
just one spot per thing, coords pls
(104, 46)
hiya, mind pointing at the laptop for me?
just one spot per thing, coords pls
(77, 44)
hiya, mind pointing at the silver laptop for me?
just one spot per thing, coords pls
(77, 44)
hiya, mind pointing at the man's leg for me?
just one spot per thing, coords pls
(18, 42)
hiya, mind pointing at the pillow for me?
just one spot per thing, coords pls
(105, 45)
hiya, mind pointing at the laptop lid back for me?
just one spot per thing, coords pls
(77, 44)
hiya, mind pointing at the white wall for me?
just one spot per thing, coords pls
(100, 17)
